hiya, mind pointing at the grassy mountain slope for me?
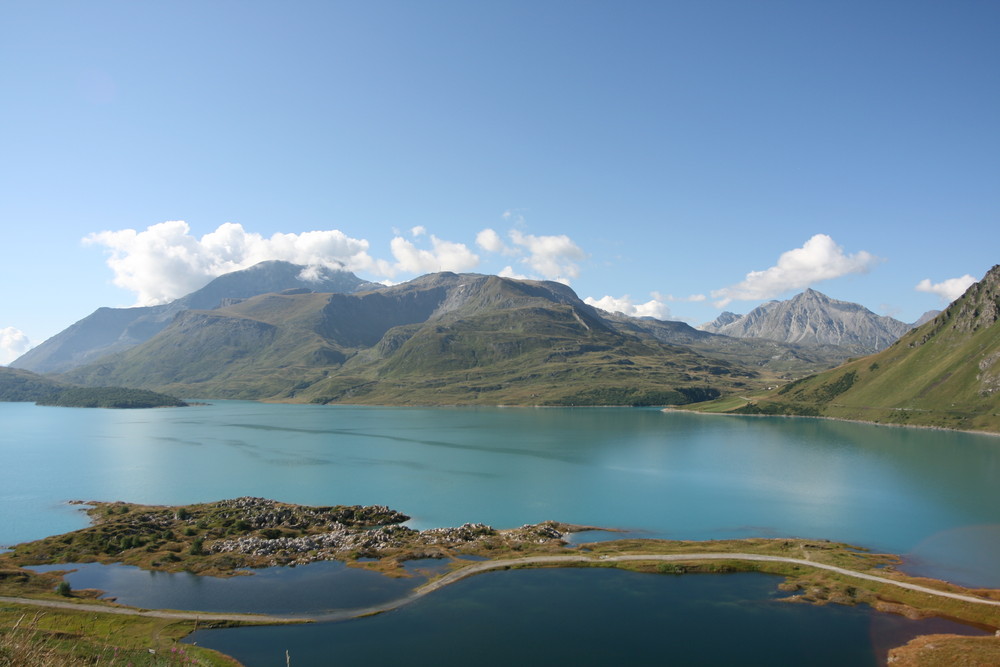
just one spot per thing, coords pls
(109, 330)
(440, 339)
(945, 373)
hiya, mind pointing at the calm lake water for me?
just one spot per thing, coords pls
(589, 617)
(932, 496)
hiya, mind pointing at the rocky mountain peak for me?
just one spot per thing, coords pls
(814, 318)
(726, 317)
(979, 307)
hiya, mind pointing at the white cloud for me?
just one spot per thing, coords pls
(445, 256)
(509, 272)
(490, 241)
(164, 261)
(554, 257)
(652, 308)
(948, 290)
(13, 343)
(693, 298)
(820, 258)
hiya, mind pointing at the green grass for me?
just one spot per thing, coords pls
(25, 386)
(54, 637)
(945, 374)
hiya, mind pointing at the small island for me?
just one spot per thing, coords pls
(230, 537)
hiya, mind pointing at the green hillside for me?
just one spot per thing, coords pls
(24, 386)
(945, 373)
(439, 339)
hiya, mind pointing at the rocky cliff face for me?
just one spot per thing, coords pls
(979, 307)
(812, 318)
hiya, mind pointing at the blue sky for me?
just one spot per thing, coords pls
(679, 158)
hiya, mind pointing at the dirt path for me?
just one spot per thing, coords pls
(486, 566)
(155, 613)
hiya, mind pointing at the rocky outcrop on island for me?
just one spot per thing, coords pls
(225, 536)
(344, 543)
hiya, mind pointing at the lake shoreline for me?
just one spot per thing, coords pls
(812, 582)
(669, 409)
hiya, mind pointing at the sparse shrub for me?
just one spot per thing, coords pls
(197, 547)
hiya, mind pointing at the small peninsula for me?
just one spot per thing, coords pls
(227, 537)
(20, 386)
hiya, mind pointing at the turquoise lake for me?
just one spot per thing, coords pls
(932, 496)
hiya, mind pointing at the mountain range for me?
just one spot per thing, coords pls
(945, 373)
(276, 331)
(441, 338)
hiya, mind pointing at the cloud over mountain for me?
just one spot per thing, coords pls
(554, 257)
(13, 343)
(444, 256)
(652, 308)
(165, 261)
(948, 290)
(819, 259)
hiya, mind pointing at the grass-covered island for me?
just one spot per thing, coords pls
(224, 538)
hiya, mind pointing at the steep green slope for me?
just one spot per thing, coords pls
(440, 339)
(945, 373)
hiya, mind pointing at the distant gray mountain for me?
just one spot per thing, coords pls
(725, 318)
(926, 317)
(812, 318)
(108, 330)
(786, 359)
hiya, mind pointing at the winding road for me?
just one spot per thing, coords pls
(478, 568)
